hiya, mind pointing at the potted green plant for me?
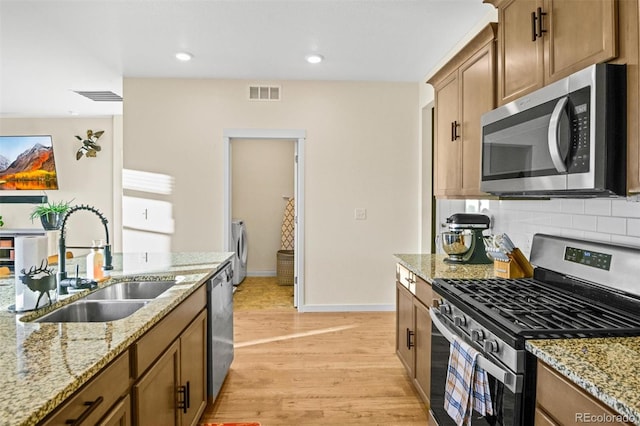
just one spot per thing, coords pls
(51, 214)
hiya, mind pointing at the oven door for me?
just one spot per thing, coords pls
(506, 387)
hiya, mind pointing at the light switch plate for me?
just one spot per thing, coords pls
(360, 214)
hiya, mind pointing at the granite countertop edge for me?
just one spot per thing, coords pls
(590, 374)
(19, 406)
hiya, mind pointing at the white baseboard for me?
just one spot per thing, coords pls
(347, 308)
(261, 273)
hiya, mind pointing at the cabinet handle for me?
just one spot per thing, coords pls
(540, 29)
(188, 396)
(410, 335)
(182, 404)
(452, 131)
(456, 125)
(533, 26)
(91, 406)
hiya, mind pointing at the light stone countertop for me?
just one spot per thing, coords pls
(44, 363)
(431, 266)
(607, 368)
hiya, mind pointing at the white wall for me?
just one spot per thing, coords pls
(362, 151)
(262, 172)
(85, 181)
(611, 220)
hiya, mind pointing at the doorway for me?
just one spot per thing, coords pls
(298, 138)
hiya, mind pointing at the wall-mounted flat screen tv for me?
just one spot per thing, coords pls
(27, 162)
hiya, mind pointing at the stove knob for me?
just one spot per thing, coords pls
(445, 309)
(490, 346)
(477, 335)
(459, 321)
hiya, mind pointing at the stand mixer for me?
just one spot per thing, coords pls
(464, 242)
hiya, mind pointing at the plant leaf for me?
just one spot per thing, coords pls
(79, 154)
(91, 153)
(89, 133)
(79, 138)
(97, 147)
(98, 134)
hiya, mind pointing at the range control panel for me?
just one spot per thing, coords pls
(588, 258)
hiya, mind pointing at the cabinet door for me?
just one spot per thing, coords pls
(520, 59)
(404, 326)
(120, 415)
(477, 90)
(422, 373)
(447, 147)
(193, 372)
(580, 33)
(155, 395)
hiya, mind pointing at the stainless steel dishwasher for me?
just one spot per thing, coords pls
(219, 328)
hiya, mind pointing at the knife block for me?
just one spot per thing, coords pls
(517, 267)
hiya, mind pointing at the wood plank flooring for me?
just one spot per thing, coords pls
(316, 368)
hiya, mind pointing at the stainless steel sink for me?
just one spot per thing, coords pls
(131, 290)
(93, 311)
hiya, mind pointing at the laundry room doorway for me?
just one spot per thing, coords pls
(264, 196)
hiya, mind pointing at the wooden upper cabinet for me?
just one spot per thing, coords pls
(581, 33)
(464, 90)
(477, 91)
(448, 149)
(541, 41)
(519, 58)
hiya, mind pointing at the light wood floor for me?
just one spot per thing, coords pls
(315, 368)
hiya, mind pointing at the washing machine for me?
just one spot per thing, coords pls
(239, 246)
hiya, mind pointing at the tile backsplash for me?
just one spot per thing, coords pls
(611, 220)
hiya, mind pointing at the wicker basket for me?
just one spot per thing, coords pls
(285, 267)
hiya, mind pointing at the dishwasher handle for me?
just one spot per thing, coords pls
(510, 380)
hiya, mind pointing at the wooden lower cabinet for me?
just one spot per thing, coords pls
(193, 369)
(173, 390)
(96, 399)
(155, 395)
(560, 402)
(413, 334)
(161, 379)
(120, 415)
(422, 363)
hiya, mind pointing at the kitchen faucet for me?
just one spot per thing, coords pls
(63, 282)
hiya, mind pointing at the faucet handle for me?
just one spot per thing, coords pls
(108, 260)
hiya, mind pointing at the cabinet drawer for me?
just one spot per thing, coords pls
(423, 291)
(564, 401)
(96, 398)
(150, 346)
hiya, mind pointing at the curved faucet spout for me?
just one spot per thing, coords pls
(62, 273)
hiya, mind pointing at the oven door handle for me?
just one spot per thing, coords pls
(510, 380)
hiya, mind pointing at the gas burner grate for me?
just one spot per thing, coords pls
(533, 307)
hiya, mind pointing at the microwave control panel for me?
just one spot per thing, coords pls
(579, 151)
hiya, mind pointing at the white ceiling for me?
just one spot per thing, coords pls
(48, 48)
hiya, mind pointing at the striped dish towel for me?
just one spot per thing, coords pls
(467, 385)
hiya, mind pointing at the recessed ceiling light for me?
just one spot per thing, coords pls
(314, 58)
(184, 56)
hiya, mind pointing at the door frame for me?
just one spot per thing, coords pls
(299, 137)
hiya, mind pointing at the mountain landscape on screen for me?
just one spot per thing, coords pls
(27, 162)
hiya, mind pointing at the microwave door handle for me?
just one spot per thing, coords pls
(554, 143)
(513, 383)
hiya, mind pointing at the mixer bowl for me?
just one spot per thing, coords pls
(456, 243)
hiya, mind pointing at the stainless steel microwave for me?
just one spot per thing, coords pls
(567, 139)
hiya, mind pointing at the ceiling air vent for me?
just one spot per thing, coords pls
(264, 93)
(100, 96)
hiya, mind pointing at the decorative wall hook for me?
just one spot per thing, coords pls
(90, 145)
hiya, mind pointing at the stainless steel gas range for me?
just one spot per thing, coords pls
(579, 289)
